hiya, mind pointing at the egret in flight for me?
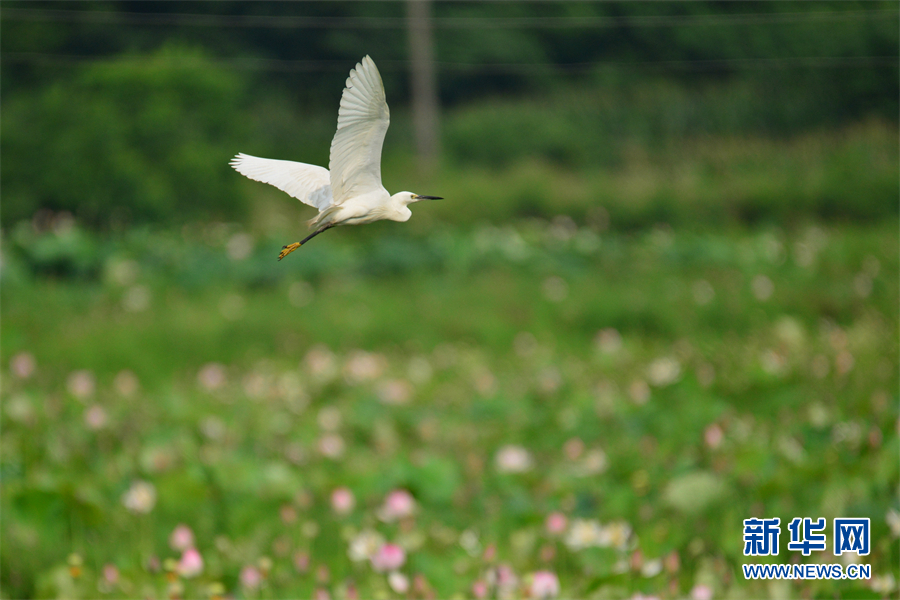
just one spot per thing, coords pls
(349, 192)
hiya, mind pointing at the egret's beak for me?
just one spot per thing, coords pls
(418, 197)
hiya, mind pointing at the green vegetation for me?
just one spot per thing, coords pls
(661, 297)
(672, 381)
(149, 132)
(700, 181)
(141, 133)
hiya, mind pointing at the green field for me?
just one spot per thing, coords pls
(666, 382)
(660, 297)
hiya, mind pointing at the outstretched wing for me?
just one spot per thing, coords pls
(307, 183)
(363, 119)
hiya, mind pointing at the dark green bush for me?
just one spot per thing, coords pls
(599, 124)
(143, 138)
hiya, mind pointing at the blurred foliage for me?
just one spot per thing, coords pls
(141, 130)
(686, 181)
(132, 141)
(720, 41)
(665, 274)
(842, 176)
(674, 381)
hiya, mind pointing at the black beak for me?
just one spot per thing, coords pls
(429, 197)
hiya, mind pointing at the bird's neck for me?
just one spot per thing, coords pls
(401, 213)
(401, 199)
(400, 208)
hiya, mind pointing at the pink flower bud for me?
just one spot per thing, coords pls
(389, 557)
(250, 577)
(23, 365)
(399, 504)
(713, 436)
(556, 523)
(182, 538)
(191, 563)
(342, 501)
(701, 592)
(110, 574)
(544, 584)
(398, 582)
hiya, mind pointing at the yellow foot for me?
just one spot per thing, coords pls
(288, 249)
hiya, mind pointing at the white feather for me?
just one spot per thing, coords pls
(355, 159)
(350, 192)
(307, 183)
(363, 120)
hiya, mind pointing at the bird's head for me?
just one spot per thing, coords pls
(407, 198)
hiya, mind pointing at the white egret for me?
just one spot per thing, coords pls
(349, 192)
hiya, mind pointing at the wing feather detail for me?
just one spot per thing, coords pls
(309, 184)
(363, 119)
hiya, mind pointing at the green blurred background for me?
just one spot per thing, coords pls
(661, 294)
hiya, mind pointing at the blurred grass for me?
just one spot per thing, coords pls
(636, 151)
(535, 333)
(682, 319)
(848, 174)
(678, 300)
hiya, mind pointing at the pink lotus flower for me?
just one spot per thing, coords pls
(250, 577)
(398, 582)
(362, 366)
(287, 513)
(323, 574)
(182, 537)
(95, 417)
(421, 588)
(573, 448)
(556, 523)
(191, 563)
(23, 365)
(140, 497)
(701, 592)
(639, 392)
(399, 504)
(504, 578)
(513, 459)
(321, 594)
(342, 501)
(81, 384)
(212, 376)
(608, 341)
(395, 391)
(301, 562)
(331, 445)
(480, 589)
(672, 562)
(389, 557)
(490, 553)
(320, 362)
(153, 564)
(352, 593)
(544, 584)
(713, 436)
(548, 552)
(126, 383)
(364, 545)
(110, 574)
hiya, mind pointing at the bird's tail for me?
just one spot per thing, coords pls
(323, 218)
